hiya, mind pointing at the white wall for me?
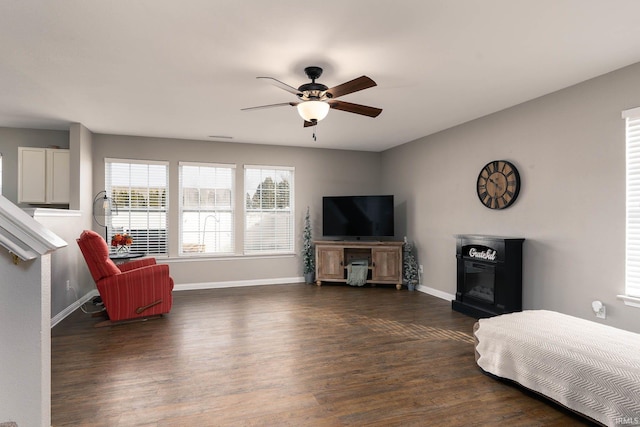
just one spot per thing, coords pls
(25, 341)
(570, 150)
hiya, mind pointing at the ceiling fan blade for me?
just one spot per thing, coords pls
(281, 85)
(355, 108)
(354, 85)
(260, 107)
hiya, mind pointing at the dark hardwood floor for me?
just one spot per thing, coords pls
(286, 355)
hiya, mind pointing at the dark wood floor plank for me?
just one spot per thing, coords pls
(285, 355)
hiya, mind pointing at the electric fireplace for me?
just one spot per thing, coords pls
(489, 275)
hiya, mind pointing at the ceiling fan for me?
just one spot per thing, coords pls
(315, 99)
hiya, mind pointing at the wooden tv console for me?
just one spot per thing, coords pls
(333, 256)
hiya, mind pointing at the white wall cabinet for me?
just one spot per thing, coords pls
(43, 175)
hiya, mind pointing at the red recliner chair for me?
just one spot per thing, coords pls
(138, 289)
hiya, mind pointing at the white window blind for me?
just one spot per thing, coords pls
(269, 210)
(206, 208)
(139, 190)
(632, 118)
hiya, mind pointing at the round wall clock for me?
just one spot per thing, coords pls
(498, 184)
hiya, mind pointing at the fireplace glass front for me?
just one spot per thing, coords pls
(479, 281)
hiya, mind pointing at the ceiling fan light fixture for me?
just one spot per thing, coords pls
(313, 110)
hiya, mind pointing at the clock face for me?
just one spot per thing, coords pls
(498, 184)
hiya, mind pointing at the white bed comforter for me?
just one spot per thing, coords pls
(588, 367)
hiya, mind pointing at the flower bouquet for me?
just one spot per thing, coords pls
(121, 242)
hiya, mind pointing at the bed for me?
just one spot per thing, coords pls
(590, 368)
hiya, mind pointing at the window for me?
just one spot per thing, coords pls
(633, 203)
(269, 216)
(206, 208)
(138, 189)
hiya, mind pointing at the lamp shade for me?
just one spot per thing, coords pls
(313, 110)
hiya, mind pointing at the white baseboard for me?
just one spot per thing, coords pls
(436, 293)
(238, 283)
(73, 307)
(183, 287)
(230, 284)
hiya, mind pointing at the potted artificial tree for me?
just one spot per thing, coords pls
(308, 256)
(410, 266)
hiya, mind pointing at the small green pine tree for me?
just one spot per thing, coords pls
(410, 267)
(308, 258)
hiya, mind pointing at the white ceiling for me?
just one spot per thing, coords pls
(184, 69)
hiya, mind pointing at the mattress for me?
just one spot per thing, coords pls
(588, 367)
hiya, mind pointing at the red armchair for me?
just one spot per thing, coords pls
(139, 288)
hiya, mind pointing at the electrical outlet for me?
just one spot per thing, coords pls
(421, 269)
(68, 286)
(599, 309)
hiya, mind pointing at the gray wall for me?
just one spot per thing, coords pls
(81, 200)
(81, 163)
(10, 140)
(318, 172)
(569, 147)
(70, 279)
(67, 263)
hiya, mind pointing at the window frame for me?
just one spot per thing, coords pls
(632, 207)
(108, 185)
(289, 232)
(181, 208)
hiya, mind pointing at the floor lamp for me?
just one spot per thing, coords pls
(103, 209)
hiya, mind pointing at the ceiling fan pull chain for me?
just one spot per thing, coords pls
(314, 132)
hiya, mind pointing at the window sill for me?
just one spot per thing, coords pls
(183, 258)
(630, 301)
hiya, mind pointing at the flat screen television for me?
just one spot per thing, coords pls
(357, 216)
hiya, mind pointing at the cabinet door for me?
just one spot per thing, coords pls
(329, 263)
(387, 264)
(57, 176)
(31, 175)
